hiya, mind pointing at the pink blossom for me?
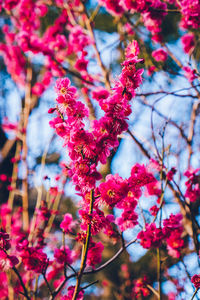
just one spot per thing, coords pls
(10, 4)
(7, 261)
(94, 254)
(113, 190)
(100, 93)
(188, 41)
(196, 281)
(159, 55)
(128, 29)
(81, 64)
(70, 293)
(191, 13)
(38, 89)
(151, 237)
(154, 210)
(63, 255)
(151, 70)
(63, 88)
(192, 184)
(140, 287)
(170, 174)
(34, 259)
(67, 224)
(190, 74)
(113, 6)
(4, 241)
(174, 222)
(128, 219)
(132, 49)
(175, 243)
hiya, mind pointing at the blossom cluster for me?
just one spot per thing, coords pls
(107, 207)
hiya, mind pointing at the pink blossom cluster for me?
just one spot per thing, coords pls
(192, 185)
(140, 287)
(87, 148)
(23, 40)
(6, 261)
(153, 237)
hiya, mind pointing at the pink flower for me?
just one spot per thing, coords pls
(140, 287)
(67, 224)
(171, 174)
(132, 49)
(191, 13)
(34, 259)
(78, 40)
(175, 243)
(188, 41)
(113, 190)
(154, 210)
(81, 64)
(7, 261)
(112, 6)
(10, 4)
(128, 219)
(3, 177)
(63, 255)
(151, 70)
(174, 222)
(63, 88)
(190, 74)
(196, 281)
(151, 237)
(141, 177)
(4, 241)
(70, 293)
(100, 93)
(97, 220)
(192, 184)
(94, 253)
(38, 89)
(159, 55)
(128, 29)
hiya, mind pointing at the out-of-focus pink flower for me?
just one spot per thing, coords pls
(190, 74)
(196, 281)
(159, 55)
(188, 41)
(7, 261)
(68, 223)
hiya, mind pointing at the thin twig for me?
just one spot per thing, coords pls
(22, 283)
(85, 250)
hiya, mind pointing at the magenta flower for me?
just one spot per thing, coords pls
(94, 254)
(34, 259)
(113, 190)
(196, 281)
(68, 223)
(188, 41)
(63, 255)
(151, 237)
(159, 55)
(7, 261)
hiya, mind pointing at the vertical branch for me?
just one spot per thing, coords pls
(159, 274)
(39, 196)
(191, 132)
(52, 217)
(26, 112)
(105, 72)
(22, 283)
(84, 250)
(13, 185)
(10, 286)
(194, 294)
